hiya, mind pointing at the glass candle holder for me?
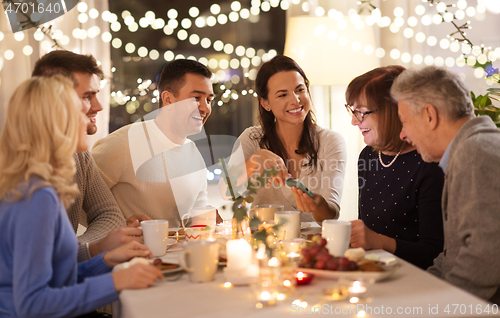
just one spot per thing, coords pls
(265, 297)
(335, 292)
(292, 248)
(304, 278)
(266, 288)
(287, 279)
(357, 290)
(225, 228)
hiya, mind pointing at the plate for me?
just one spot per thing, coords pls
(171, 242)
(170, 260)
(373, 276)
(173, 270)
(305, 225)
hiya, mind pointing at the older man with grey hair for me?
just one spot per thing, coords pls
(437, 113)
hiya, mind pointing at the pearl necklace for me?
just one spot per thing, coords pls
(390, 163)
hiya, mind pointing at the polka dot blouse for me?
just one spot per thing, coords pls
(403, 201)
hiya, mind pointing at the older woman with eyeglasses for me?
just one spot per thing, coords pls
(399, 194)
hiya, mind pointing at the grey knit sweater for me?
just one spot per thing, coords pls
(95, 206)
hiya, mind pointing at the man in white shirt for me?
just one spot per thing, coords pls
(151, 167)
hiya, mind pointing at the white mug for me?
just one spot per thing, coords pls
(291, 228)
(155, 236)
(265, 212)
(201, 216)
(203, 257)
(337, 234)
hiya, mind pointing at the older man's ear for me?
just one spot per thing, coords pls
(431, 116)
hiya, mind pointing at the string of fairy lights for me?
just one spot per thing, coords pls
(248, 59)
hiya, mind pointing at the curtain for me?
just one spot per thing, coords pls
(19, 68)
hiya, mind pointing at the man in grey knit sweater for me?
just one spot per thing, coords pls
(95, 207)
(437, 113)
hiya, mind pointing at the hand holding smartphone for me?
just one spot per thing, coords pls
(299, 185)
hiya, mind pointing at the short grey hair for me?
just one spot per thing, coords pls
(437, 86)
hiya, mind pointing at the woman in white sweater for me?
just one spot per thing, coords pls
(289, 138)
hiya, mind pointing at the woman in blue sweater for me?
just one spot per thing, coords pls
(39, 275)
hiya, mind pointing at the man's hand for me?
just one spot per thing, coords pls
(136, 219)
(126, 252)
(115, 239)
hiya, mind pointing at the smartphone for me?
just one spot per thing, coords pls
(298, 185)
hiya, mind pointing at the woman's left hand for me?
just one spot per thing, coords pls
(126, 252)
(316, 205)
(307, 203)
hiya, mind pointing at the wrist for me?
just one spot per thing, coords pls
(387, 243)
(106, 259)
(116, 282)
(94, 249)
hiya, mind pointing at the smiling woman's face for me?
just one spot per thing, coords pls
(369, 126)
(288, 98)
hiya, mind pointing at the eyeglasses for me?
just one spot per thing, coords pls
(360, 116)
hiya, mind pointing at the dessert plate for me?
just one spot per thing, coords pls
(389, 269)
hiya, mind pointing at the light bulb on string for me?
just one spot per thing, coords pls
(438, 61)
(233, 16)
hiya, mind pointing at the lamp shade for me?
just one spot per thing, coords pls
(331, 52)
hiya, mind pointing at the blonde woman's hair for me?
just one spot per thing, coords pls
(39, 139)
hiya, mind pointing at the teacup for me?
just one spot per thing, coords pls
(265, 212)
(197, 233)
(202, 260)
(155, 236)
(201, 216)
(291, 220)
(337, 234)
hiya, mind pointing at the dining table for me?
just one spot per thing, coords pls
(408, 292)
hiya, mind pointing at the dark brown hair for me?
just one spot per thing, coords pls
(66, 63)
(308, 143)
(172, 77)
(376, 86)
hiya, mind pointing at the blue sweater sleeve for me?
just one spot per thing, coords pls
(93, 267)
(44, 265)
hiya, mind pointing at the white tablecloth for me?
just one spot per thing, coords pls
(410, 291)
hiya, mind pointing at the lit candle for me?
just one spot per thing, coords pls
(292, 248)
(293, 256)
(266, 298)
(357, 289)
(304, 278)
(239, 254)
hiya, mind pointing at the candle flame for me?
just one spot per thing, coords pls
(265, 295)
(273, 262)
